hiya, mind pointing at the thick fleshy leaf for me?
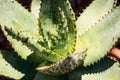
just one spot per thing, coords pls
(58, 26)
(14, 16)
(98, 67)
(70, 16)
(18, 46)
(93, 14)
(40, 76)
(31, 46)
(113, 73)
(7, 70)
(17, 18)
(100, 39)
(35, 8)
(19, 64)
(66, 65)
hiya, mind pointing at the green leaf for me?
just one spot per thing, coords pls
(112, 73)
(33, 45)
(100, 39)
(98, 67)
(14, 16)
(93, 14)
(35, 8)
(17, 18)
(40, 76)
(19, 64)
(47, 17)
(7, 70)
(57, 23)
(18, 46)
(65, 65)
(70, 16)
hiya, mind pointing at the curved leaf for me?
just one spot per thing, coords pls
(113, 73)
(13, 15)
(70, 16)
(100, 39)
(7, 70)
(18, 46)
(93, 14)
(66, 65)
(98, 67)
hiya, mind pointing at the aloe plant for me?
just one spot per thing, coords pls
(49, 43)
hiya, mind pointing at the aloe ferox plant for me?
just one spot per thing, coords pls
(49, 43)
